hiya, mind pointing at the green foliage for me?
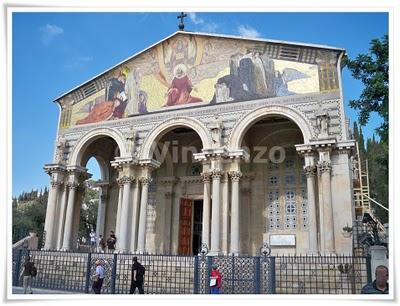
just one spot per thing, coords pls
(88, 216)
(372, 69)
(28, 214)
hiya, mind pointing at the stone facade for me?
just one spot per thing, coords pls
(229, 167)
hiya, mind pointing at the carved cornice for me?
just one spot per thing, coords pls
(310, 171)
(235, 176)
(324, 166)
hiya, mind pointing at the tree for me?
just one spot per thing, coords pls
(88, 216)
(372, 69)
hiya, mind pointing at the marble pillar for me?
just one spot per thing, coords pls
(235, 210)
(215, 217)
(145, 181)
(205, 235)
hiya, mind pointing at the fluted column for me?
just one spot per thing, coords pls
(61, 224)
(205, 234)
(50, 242)
(215, 217)
(135, 214)
(324, 173)
(235, 177)
(119, 208)
(124, 216)
(145, 181)
(310, 172)
(69, 217)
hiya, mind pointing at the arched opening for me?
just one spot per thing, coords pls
(175, 194)
(97, 200)
(276, 205)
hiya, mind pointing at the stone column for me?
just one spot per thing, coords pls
(205, 234)
(324, 173)
(225, 213)
(120, 196)
(69, 217)
(145, 181)
(63, 208)
(101, 211)
(50, 241)
(124, 216)
(215, 217)
(235, 177)
(310, 172)
(168, 220)
(135, 214)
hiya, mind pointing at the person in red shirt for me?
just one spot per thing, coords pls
(215, 280)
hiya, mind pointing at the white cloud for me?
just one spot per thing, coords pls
(200, 25)
(49, 32)
(77, 62)
(196, 20)
(248, 31)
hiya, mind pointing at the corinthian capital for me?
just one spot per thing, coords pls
(324, 166)
(145, 180)
(55, 183)
(73, 185)
(310, 171)
(235, 175)
(216, 173)
(126, 179)
(205, 176)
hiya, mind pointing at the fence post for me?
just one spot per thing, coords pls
(196, 275)
(257, 274)
(17, 267)
(88, 266)
(114, 274)
(272, 278)
(208, 269)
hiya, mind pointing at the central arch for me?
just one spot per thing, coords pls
(247, 121)
(170, 124)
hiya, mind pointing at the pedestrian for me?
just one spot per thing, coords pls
(380, 284)
(98, 277)
(29, 272)
(102, 244)
(111, 241)
(92, 236)
(137, 277)
(215, 280)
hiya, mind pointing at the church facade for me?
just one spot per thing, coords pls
(209, 139)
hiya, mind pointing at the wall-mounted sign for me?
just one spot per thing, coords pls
(282, 240)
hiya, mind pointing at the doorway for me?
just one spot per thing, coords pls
(190, 226)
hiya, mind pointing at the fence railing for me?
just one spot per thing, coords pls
(173, 274)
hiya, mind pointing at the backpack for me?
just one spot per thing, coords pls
(33, 271)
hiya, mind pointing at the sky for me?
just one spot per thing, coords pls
(54, 52)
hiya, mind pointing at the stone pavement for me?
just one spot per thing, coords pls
(20, 290)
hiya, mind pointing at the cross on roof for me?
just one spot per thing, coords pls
(181, 16)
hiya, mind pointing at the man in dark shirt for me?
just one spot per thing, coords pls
(137, 277)
(27, 274)
(380, 284)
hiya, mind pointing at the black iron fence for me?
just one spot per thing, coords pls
(173, 274)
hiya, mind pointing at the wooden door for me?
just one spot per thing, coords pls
(185, 227)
